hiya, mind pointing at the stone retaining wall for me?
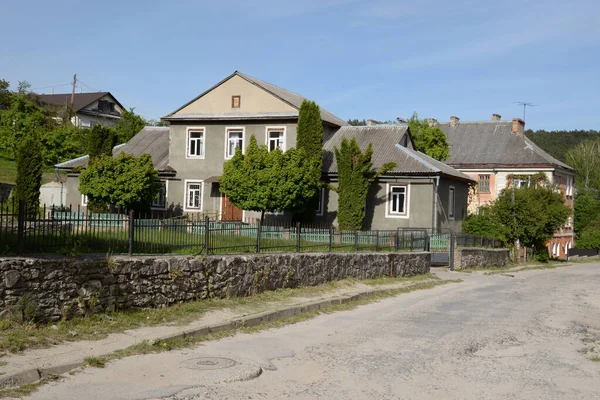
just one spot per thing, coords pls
(465, 258)
(54, 288)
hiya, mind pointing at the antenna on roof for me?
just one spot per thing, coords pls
(525, 105)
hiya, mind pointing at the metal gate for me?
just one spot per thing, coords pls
(441, 248)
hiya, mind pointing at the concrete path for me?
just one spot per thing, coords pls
(491, 337)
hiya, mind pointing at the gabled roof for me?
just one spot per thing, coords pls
(492, 143)
(153, 140)
(291, 98)
(386, 141)
(80, 101)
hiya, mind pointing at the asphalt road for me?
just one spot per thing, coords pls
(490, 337)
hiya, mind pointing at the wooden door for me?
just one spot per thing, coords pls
(230, 212)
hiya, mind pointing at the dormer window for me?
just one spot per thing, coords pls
(106, 106)
(236, 101)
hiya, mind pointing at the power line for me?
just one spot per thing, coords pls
(51, 86)
(88, 86)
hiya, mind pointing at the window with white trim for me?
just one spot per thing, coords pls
(193, 192)
(235, 139)
(160, 200)
(195, 143)
(451, 202)
(397, 200)
(276, 138)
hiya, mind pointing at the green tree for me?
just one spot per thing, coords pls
(22, 118)
(355, 175)
(590, 236)
(587, 211)
(558, 143)
(100, 142)
(29, 174)
(357, 122)
(309, 139)
(122, 181)
(267, 181)
(481, 224)
(129, 125)
(5, 94)
(532, 218)
(428, 138)
(585, 160)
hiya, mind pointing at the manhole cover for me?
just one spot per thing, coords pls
(208, 363)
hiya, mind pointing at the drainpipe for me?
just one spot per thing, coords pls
(61, 186)
(435, 203)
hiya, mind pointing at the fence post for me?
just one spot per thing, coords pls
(427, 242)
(330, 238)
(397, 239)
(206, 235)
(377, 240)
(21, 228)
(412, 238)
(258, 234)
(356, 240)
(131, 232)
(297, 237)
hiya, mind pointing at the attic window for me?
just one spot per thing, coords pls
(106, 106)
(236, 101)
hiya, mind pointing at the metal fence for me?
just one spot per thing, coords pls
(76, 231)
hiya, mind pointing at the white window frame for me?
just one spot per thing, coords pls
(187, 182)
(388, 202)
(187, 142)
(451, 201)
(277, 129)
(234, 129)
(321, 206)
(164, 206)
(84, 200)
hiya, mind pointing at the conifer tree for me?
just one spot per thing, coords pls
(29, 174)
(309, 139)
(355, 174)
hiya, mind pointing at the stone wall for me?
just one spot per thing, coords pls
(54, 288)
(465, 258)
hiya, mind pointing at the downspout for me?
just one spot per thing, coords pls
(61, 185)
(435, 203)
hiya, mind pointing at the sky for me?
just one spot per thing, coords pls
(377, 59)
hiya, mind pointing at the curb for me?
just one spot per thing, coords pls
(35, 374)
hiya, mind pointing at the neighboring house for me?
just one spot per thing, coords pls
(419, 192)
(89, 108)
(493, 151)
(205, 132)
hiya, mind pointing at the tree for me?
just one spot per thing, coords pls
(5, 94)
(100, 142)
(428, 138)
(587, 211)
(29, 174)
(129, 125)
(585, 160)
(357, 122)
(355, 174)
(481, 224)
(268, 181)
(558, 143)
(532, 218)
(122, 181)
(309, 139)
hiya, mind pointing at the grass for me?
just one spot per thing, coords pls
(595, 358)
(18, 336)
(28, 388)
(8, 172)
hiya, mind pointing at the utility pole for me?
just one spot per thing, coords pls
(73, 90)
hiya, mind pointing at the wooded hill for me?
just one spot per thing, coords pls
(557, 143)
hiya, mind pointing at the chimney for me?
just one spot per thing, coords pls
(401, 120)
(371, 122)
(431, 121)
(496, 117)
(454, 120)
(518, 126)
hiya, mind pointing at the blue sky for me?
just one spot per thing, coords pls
(359, 59)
